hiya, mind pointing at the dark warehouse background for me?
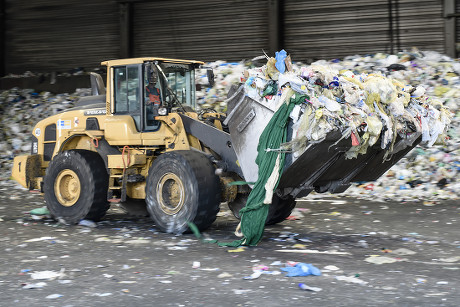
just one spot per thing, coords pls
(53, 35)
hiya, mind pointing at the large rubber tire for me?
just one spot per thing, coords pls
(75, 186)
(280, 208)
(182, 187)
(237, 204)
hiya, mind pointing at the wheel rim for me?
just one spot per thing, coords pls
(170, 193)
(67, 188)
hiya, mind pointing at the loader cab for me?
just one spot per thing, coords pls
(134, 86)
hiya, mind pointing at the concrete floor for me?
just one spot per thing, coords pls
(125, 261)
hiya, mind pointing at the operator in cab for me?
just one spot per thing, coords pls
(153, 93)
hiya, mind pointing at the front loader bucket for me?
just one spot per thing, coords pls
(321, 167)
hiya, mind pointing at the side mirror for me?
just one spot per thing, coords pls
(210, 75)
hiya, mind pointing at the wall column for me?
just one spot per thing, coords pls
(126, 29)
(275, 26)
(449, 27)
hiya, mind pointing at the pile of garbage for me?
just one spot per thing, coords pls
(20, 110)
(362, 107)
(407, 94)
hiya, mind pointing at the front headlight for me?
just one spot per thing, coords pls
(162, 111)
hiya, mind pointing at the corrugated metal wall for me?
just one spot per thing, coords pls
(54, 35)
(333, 29)
(457, 25)
(421, 24)
(201, 30)
(47, 35)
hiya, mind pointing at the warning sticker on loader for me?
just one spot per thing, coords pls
(64, 124)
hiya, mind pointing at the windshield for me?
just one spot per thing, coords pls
(177, 84)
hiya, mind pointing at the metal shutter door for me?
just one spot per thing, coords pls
(201, 30)
(52, 35)
(457, 26)
(334, 29)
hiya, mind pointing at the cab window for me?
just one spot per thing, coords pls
(181, 81)
(127, 92)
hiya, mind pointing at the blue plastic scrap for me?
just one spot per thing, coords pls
(280, 57)
(301, 269)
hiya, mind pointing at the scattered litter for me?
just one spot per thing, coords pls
(240, 291)
(40, 239)
(54, 296)
(311, 251)
(238, 250)
(102, 294)
(102, 239)
(224, 275)
(254, 275)
(450, 259)
(299, 246)
(65, 281)
(177, 248)
(34, 285)
(196, 264)
(331, 268)
(210, 269)
(351, 279)
(165, 281)
(436, 294)
(420, 280)
(375, 259)
(295, 215)
(308, 288)
(87, 223)
(49, 275)
(40, 211)
(442, 283)
(301, 269)
(138, 241)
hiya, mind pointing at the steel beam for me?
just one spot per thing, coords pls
(449, 27)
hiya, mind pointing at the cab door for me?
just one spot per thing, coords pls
(128, 92)
(125, 126)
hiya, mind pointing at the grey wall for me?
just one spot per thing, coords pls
(56, 35)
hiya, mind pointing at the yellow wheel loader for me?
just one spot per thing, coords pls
(138, 141)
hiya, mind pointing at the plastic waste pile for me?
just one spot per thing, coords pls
(20, 110)
(405, 94)
(363, 107)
